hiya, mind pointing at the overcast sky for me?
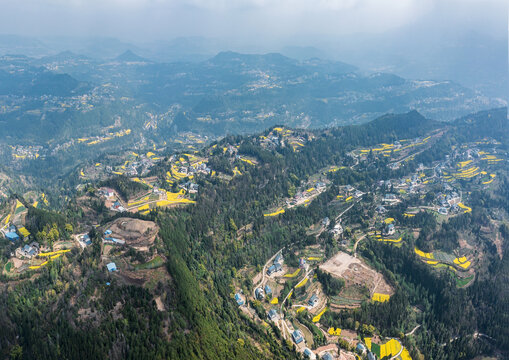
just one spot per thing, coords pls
(141, 20)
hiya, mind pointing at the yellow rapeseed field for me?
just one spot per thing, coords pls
(380, 297)
(405, 355)
(51, 253)
(466, 208)
(462, 262)
(247, 161)
(275, 213)
(319, 316)
(302, 283)
(24, 231)
(334, 332)
(462, 164)
(398, 240)
(294, 274)
(423, 254)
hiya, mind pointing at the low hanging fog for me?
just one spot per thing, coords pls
(460, 40)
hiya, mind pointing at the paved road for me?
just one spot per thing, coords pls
(475, 335)
(355, 245)
(412, 332)
(291, 291)
(348, 208)
(264, 272)
(399, 353)
(287, 328)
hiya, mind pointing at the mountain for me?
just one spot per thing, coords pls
(309, 93)
(63, 57)
(39, 83)
(227, 58)
(129, 56)
(490, 123)
(409, 124)
(423, 50)
(16, 44)
(102, 48)
(426, 50)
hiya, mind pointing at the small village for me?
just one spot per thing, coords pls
(130, 233)
(123, 234)
(289, 296)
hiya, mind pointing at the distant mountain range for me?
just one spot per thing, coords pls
(475, 60)
(228, 93)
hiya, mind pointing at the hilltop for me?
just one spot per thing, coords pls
(129, 56)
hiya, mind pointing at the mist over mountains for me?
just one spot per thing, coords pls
(474, 59)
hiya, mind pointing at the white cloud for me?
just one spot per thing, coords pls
(240, 18)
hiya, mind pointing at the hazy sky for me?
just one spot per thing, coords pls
(245, 19)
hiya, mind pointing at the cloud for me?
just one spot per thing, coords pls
(228, 18)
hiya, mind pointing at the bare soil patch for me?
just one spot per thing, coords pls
(356, 272)
(339, 263)
(107, 248)
(159, 303)
(257, 278)
(16, 262)
(464, 244)
(346, 356)
(132, 278)
(140, 234)
(147, 278)
(498, 244)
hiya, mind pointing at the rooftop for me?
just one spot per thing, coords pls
(11, 235)
(297, 337)
(111, 266)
